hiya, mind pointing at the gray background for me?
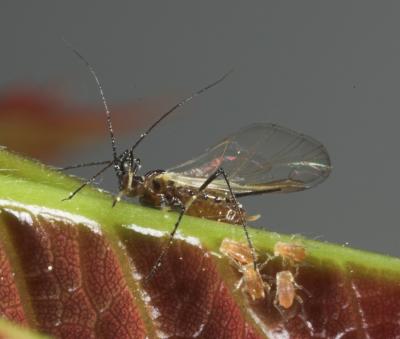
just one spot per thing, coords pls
(328, 69)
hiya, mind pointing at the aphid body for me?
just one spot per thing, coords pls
(237, 252)
(291, 252)
(285, 289)
(260, 158)
(254, 284)
(241, 257)
(157, 189)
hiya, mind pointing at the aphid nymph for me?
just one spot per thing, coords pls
(291, 252)
(241, 257)
(286, 288)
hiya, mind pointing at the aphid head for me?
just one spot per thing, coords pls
(126, 167)
(285, 276)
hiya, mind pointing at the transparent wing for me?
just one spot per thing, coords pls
(259, 158)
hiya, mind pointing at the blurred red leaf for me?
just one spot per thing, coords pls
(76, 282)
(42, 124)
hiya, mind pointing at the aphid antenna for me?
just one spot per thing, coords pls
(179, 105)
(103, 99)
(87, 164)
(142, 136)
(108, 112)
(109, 122)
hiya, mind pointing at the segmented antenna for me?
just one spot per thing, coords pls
(86, 164)
(178, 105)
(110, 128)
(103, 98)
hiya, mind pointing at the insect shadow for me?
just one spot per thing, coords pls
(260, 158)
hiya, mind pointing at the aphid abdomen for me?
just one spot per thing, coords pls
(155, 192)
(160, 192)
(254, 284)
(152, 200)
(239, 252)
(215, 208)
(285, 289)
(290, 251)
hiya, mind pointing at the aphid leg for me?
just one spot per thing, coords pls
(117, 198)
(300, 299)
(211, 178)
(269, 280)
(297, 286)
(239, 283)
(303, 264)
(286, 263)
(270, 296)
(302, 288)
(279, 308)
(301, 303)
(88, 181)
(297, 270)
(88, 164)
(168, 245)
(267, 287)
(183, 209)
(266, 262)
(125, 188)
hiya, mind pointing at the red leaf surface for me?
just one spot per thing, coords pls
(10, 301)
(74, 284)
(73, 280)
(69, 279)
(188, 296)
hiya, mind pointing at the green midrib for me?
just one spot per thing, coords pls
(28, 182)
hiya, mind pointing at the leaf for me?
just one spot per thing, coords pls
(75, 268)
(12, 331)
(28, 117)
